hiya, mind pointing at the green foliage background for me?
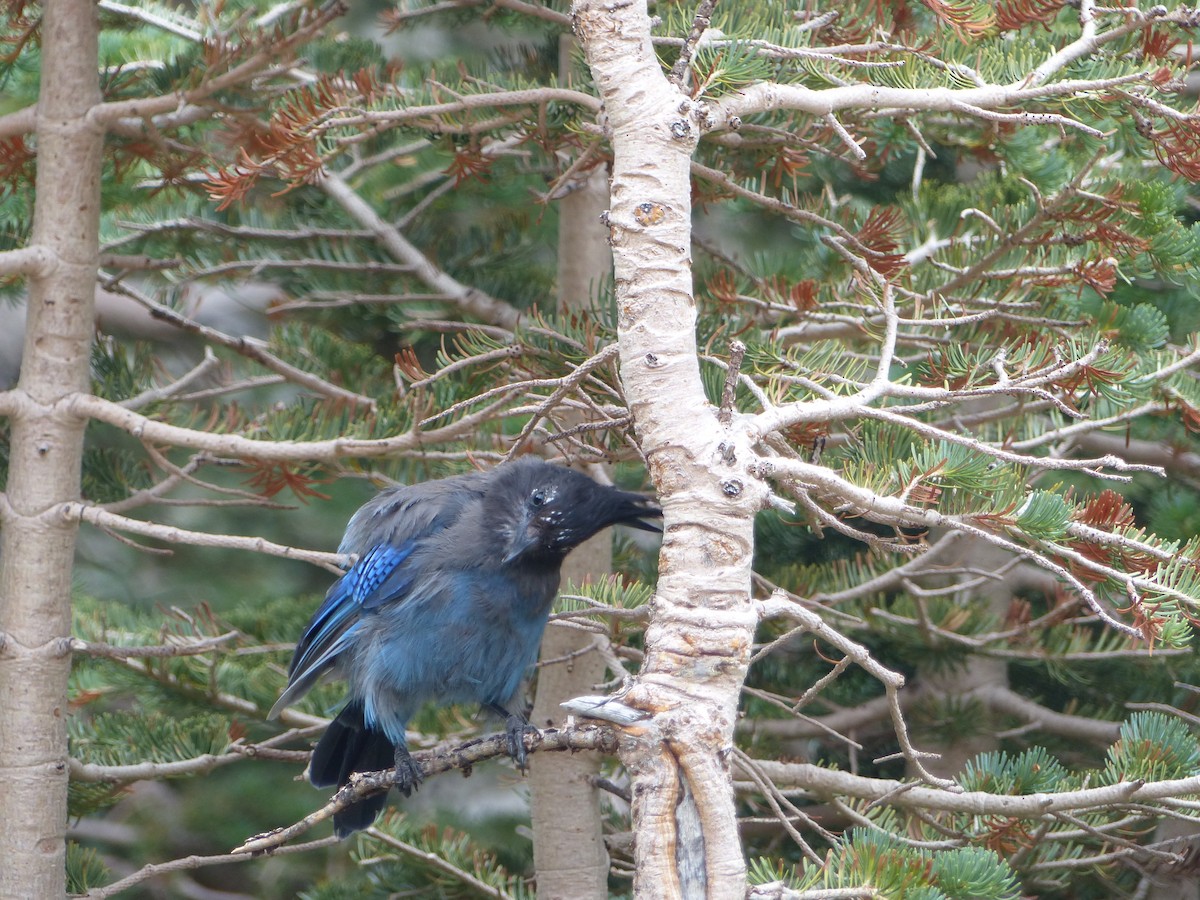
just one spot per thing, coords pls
(487, 222)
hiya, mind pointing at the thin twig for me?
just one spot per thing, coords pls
(153, 651)
(247, 347)
(700, 23)
(82, 512)
(892, 681)
(193, 862)
(439, 863)
(737, 352)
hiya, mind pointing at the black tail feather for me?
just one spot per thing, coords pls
(349, 746)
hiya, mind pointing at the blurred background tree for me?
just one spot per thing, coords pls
(327, 262)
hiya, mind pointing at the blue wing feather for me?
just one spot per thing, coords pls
(346, 598)
(379, 577)
(385, 532)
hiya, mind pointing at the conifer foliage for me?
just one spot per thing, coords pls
(902, 331)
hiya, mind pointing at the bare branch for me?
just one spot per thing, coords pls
(1175, 460)
(19, 123)
(153, 651)
(777, 890)
(334, 301)
(700, 23)
(471, 300)
(248, 232)
(248, 347)
(767, 96)
(34, 260)
(566, 385)
(777, 801)
(192, 862)
(233, 445)
(201, 370)
(172, 25)
(438, 863)
(586, 737)
(895, 511)
(110, 114)
(823, 782)
(82, 512)
(198, 765)
(1093, 465)
(846, 137)
(529, 9)
(1089, 40)
(892, 681)
(381, 120)
(221, 699)
(737, 352)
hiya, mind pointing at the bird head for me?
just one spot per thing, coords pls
(541, 511)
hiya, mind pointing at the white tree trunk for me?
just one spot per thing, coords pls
(700, 635)
(36, 545)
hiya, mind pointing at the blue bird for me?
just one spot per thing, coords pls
(447, 603)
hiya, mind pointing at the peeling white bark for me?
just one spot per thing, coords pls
(699, 638)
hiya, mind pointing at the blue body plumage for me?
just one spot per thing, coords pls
(446, 603)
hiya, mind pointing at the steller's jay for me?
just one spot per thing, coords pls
(447, 602)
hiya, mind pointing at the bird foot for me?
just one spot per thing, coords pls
(515, 729)
(408, 773)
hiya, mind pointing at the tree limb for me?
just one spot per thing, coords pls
(584, 737)
(471, 301)
(83, 512)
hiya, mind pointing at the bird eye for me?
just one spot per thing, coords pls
(539, 498)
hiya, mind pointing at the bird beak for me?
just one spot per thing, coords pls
(633, 509)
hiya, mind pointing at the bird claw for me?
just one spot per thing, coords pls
(408, 773)
(515, 729)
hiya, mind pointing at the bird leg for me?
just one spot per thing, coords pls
(408, 773)
(515, 729)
